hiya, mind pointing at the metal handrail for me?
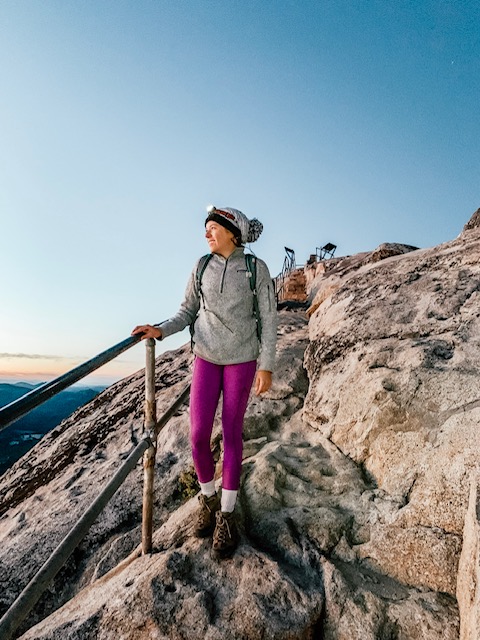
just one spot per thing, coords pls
(18, 408)
(31, 594)
(28, 598)
(289, 265)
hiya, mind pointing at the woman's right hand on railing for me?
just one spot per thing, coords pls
(148, 331)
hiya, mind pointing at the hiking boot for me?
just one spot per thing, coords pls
(205, 522)
(225, 536)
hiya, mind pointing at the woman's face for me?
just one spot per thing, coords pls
(220, 240)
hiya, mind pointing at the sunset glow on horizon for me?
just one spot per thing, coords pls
(37, 368)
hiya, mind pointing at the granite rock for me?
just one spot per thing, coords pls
(358, 501)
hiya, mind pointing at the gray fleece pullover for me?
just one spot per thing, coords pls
(225, 327)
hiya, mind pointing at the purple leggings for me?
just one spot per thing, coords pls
(235, 380)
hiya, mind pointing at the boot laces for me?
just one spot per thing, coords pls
(222, 532)
(204, 502)
(205, 512)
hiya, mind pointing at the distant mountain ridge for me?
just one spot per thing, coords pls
(19, 437)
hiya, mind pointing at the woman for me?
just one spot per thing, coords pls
(224, 312)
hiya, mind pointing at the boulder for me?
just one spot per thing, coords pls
(474, 221)
(389, 249)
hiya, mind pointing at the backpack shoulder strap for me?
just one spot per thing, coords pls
(251, 263)
(202, 265)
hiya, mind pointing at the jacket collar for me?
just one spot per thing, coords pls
(239, 251)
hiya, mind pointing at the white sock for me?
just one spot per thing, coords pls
(208, 488)
(229, 498)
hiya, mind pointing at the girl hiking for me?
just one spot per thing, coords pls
(230, 307)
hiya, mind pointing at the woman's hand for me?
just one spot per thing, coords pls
(148, 331)
(263, 381)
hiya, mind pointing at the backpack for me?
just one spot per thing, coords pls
(251, 264)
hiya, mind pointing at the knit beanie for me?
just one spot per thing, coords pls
(236, 222)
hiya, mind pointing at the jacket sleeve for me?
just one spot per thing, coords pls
(268, 315)
(187, 313)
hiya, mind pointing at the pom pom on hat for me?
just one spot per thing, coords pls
(250, 230)
(255, 228)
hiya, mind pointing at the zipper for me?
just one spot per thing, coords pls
(223, 274)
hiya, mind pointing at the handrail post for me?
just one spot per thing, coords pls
(149, 455)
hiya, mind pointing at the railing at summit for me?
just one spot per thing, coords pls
(31, 594)
(327, 251)
(289, 265)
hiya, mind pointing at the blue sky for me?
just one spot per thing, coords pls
(352, 122)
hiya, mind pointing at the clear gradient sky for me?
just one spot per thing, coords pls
(355, 122)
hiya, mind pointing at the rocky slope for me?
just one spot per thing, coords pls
(393, 363)
(359, 499)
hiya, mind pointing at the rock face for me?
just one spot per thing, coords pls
(393, 363)
(474, 221)
(359, 498)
